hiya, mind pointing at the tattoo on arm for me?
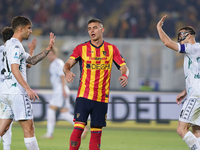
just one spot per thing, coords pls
(35, 59)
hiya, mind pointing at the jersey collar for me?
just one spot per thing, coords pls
(96, 46)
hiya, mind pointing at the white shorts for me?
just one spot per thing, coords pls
(59, 101)
(16, 107)
(190, 112)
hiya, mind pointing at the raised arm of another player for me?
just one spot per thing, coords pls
(181, 96)
(31, 47)
(164, 37)
(16, 72)
(69, 76)
(124, 75)
(35, 59)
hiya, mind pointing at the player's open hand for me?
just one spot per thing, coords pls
(180, 97)
(70, 77)
(51, 41)
(32, 46)
(161, 22)
(31, 94)
(123, 81)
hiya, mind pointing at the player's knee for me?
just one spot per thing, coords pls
(181, 131)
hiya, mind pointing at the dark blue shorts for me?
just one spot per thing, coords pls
(97, 111)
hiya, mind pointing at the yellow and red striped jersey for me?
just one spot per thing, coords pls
(95, 66)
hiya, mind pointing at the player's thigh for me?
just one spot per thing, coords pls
(99, 114)
(82, 109)
(5, 107)
(22, 107)
(190, 111)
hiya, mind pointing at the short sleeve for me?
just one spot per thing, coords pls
(15, 55)
(118, 58)
(27, 55)
(186, 48)
(76, 53)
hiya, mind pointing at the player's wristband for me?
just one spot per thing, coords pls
(125, 76)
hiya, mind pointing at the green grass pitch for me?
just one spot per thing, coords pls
(112, 138)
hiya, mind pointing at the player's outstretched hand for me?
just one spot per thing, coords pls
(31, 94)
(69, 77)
(123, 81)
(32, 46)
(180, 97)
(161, 22)
(51, 41)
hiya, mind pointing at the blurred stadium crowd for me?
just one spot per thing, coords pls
(122, 18)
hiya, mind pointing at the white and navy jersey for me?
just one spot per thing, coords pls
(191, 68)
(56, 71)
(15, 54)
(2, 47)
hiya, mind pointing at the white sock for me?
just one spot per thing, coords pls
(0, 139)
(31, 143)
(191, 141)
(67, 116)
(51, 120)
(7, 139)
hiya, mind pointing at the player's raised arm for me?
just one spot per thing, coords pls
(35, 59)
(124, 75)
(69, 76)
(32, 47)
(164, 37)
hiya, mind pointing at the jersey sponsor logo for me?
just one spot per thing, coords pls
(16, 55)
(97, 58)
(98, 66)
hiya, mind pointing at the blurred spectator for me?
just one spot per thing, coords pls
(137, 19)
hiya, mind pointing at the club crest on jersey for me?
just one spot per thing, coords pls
(16, 55)
(74, 143)
(104, 53)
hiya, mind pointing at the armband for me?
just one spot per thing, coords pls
(125, 76)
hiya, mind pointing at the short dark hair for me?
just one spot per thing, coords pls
(189, 29)
(20, 21)
(95, 20)
(7, 33)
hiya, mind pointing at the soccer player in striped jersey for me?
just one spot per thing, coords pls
(95, 58)
(190, 111)
(16, 94)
